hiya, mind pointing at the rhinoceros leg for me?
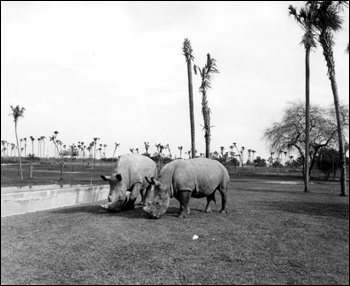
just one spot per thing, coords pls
(134, 192)
(145, 194)
(210, 198)
(184, 197)
(223, 192)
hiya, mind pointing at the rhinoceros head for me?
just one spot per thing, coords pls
(158, 203)
(117, 193)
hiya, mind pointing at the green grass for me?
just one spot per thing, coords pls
(274, 233)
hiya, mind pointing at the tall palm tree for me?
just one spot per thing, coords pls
(305, 17)
(17, 112)
(327, 22)
(206, 74)
(187, 52)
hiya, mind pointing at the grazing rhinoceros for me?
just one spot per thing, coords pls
(182, 179)
(127, 180)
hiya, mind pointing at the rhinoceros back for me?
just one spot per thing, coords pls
(134, 168)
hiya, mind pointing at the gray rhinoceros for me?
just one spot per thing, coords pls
(128, 180)
(182, 179)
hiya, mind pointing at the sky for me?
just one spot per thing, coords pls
(115, 70)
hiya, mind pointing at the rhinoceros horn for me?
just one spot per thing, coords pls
(152, 182)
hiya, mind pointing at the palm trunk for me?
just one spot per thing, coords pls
(19, 153)
(307, 120)
(190, 92)
(206, 118)
(328, 54)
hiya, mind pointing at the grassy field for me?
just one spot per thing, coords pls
(274, 233)
(50, 174)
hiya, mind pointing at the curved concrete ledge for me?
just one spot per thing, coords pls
(22, 202)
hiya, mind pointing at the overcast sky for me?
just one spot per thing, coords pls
(115, 70)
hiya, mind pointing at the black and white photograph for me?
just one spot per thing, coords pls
(175, 142)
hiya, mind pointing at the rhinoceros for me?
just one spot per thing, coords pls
(128, 180)
(199, 177)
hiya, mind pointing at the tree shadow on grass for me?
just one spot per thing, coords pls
(338, 210)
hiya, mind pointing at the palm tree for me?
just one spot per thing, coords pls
(206, 74)
(180, 148)
(57, 142)
(242, 154)
(32, 138)
(146, 147)
(39, 147)
(104, 150)
(249, 152)
(222, 150)
(305, 18)
(17, 112)
(3, 149)
(187, 52)
(168, 147)
(327, 22)
(115, 148)
(12, 147)
(272, 156)
(239, 152)
(95, 143)
(43, 139)
(25, 147)
(285, 157)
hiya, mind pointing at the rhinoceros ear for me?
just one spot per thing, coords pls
(105, 178)
(118, 177)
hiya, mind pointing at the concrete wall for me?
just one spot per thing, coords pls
(23, 202)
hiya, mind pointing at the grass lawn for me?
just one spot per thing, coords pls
(44, 174)
(274, 233)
